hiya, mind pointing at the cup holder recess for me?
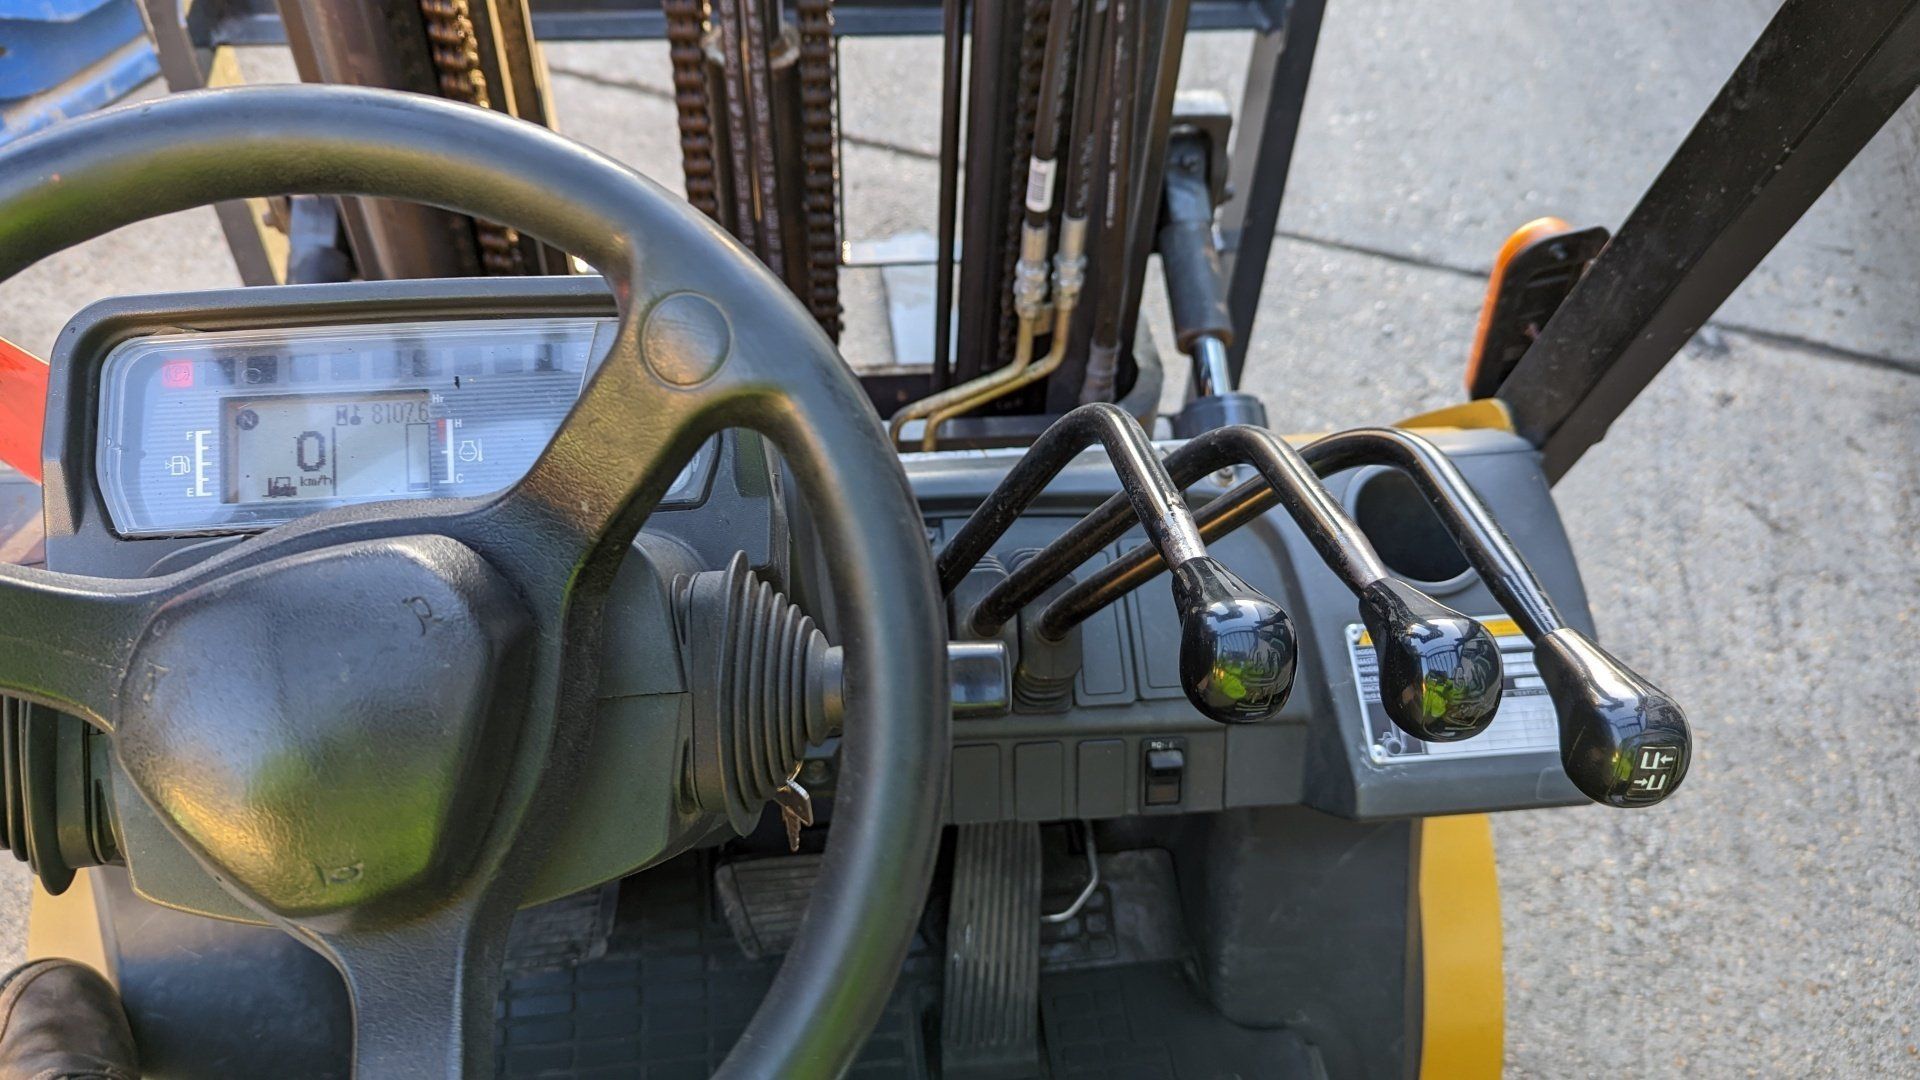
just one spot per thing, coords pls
(1406, 531)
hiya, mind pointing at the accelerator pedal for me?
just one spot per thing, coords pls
(990, 1023)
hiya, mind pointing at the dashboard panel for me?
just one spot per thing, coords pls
(500, 361)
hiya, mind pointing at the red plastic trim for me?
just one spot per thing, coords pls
(23, 408)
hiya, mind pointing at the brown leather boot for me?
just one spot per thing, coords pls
(59, 1020)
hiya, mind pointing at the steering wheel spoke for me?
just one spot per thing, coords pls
(444, 970)
(66, 641)
(654, 399)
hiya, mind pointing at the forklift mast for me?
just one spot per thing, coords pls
(1306, 874)
(756, 87)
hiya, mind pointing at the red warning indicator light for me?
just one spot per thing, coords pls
(176, 374)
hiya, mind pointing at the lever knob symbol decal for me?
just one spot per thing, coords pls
(1623, 741)
(1440, 675)
(1236, 646)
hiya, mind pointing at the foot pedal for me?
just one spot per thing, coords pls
(990, 1024)
(562, 933)
(764, 900)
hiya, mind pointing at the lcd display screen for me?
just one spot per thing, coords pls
(326, 446)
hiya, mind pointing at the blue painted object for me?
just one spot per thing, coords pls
(61, 58)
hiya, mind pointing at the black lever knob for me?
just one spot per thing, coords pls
(1236, 646)
(1440, 671)
(1623, 741)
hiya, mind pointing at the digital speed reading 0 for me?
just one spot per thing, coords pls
(310, 446)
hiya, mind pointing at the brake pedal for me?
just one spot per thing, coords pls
(562, 933)
(990, 1025)
(764, 900)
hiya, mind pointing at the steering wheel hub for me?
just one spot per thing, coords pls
(325, 729)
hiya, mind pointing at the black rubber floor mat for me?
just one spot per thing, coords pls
(670, 997)
(1132, 918)
(1146, 1022)
(764, 900)
(673, 992)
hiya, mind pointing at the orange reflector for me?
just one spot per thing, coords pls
(1522, 237)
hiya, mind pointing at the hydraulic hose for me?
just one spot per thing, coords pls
(1103, 352)
(1069, 262)
(1030, 272)
(1046, 123)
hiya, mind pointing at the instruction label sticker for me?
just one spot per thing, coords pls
(1525, 723)
(1040, 185)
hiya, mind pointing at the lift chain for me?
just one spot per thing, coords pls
(819, 137)
(686, 26)
(456, 60)
(1033, 51)
(751, 138)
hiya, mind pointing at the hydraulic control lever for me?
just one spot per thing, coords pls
(1440, 673)
(1236, 645)
(1623, 741)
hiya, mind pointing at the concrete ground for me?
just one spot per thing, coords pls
(1747, 532)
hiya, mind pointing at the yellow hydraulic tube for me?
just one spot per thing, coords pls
(1013, 376)
(1029, 301)
(958, 399)
(1069, 273)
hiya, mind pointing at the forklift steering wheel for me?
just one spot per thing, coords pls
(364, 723)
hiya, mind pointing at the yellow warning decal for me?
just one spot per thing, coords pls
(1499, 628)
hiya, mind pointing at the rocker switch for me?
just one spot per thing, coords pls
(1164, 771)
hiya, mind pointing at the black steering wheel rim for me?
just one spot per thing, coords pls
(763, 364)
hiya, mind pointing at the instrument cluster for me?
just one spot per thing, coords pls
(236, 431)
